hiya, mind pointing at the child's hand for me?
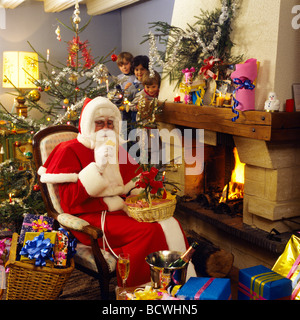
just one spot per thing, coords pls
(127, 85)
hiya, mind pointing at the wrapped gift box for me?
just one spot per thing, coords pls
(61, 249)
(205, 289)
(35, 223)
(33, 236)
(261, 283)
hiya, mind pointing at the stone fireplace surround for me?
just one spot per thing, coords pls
(269, 145)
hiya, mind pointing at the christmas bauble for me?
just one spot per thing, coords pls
(114, 57)
(76, 20)
(66, 101)
(28, 155)
(34, 95)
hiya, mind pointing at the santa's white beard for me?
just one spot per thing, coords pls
(111, 172)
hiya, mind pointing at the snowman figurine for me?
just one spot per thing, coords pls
(272, 104)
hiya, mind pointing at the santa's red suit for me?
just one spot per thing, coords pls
(88, 188)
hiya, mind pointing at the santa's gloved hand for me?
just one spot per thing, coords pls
(101, 157)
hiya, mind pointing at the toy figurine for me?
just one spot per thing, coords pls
(272, 104)
(188, 75)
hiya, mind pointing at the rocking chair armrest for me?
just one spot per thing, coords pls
(77, 224)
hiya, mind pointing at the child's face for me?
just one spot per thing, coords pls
(139, 72)
(152, 89)
(125, 67)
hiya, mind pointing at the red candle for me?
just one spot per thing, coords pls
(289, 106)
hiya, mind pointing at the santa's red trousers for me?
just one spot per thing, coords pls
(127, 235)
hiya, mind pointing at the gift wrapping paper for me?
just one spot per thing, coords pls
(261, 283)
(245, 72)
(35, 223)
(61, 249)
(288, 264)
(198, 288)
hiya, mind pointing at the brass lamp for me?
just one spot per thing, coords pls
(20, 69)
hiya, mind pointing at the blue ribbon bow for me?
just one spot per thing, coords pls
(39, 249)
(246, 84)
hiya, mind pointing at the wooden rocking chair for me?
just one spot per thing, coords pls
(89, 259)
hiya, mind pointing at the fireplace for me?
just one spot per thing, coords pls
(268, 145)
(222, 188)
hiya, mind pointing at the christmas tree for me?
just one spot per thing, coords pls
(66, 85)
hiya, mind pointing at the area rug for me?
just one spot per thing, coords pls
(81, 286)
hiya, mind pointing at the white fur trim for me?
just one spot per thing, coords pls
(87, 142)
(171, 227)
(175, 241)
(41, 170)
(56, 177)
(114, 203)
(92, 180)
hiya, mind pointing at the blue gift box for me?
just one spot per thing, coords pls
(261, 283)
(35, 223)
(205, 289)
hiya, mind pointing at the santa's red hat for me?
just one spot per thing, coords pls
(92, 110)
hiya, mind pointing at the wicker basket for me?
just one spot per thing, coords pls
(153, 213)
(28, 282)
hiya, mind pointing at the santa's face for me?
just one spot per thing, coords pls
(104, 123)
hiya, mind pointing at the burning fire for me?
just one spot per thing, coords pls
(235, 188)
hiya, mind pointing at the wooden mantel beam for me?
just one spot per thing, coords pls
(261, 125)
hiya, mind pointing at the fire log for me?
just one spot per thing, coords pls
(208, 259)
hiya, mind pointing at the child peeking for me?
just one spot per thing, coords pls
(140, 67)
(145, 106)
(151, 90)
(124, 63)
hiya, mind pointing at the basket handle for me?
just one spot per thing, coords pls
(150, 200)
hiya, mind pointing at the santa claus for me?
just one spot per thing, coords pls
(93, 183)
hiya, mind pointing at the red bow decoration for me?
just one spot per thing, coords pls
(206, 69)
(147, 179)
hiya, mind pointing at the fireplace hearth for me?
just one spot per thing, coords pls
(268, 144)
(258, 225)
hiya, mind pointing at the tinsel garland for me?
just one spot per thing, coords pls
(76, 46)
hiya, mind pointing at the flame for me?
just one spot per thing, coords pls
(236, 185)
(238, 173)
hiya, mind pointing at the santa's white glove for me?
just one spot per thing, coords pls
(103, 155)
